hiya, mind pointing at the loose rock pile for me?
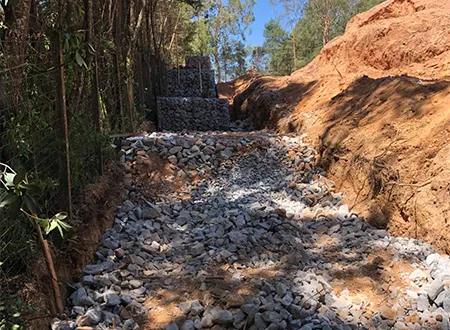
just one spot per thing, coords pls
(257, 239)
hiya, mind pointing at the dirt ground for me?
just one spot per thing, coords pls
(375, 104)
(94, 213)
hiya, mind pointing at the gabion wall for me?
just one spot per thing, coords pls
(187, 82)
(197, 61)
(192, 114)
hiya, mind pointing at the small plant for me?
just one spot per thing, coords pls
(16, 194)
(12, 309)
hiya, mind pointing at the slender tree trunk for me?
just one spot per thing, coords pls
(50, 267)
(294, 50)
(326, 31)
(153, 26)
(117, 54)
(17, 21)
(36, 32)
(130, 92)
(218, 68)
(141, 80)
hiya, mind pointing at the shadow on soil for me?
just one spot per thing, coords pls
(266, 103)
(367, 101)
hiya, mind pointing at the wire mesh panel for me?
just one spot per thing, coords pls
(28, 140)
(62, 95)
(31, 127)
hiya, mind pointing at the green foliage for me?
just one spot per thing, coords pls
(17, 243)
(364, 5)
(12, 310)
(233, 58)
(320, 22)
(279, 48)
(202, 42)
(17, 196)
(259, 59)
(76, 49)
(189, 36)
(227, 22)
(85, 141)
(29, 132)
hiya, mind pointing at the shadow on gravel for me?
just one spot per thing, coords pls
(327, 271)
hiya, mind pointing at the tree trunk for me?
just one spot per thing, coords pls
(326, 31)
(117, 53)
(294, 50)
(17, 21)
(130, 90)
(217, 61)
(50, 267)
(153, 26)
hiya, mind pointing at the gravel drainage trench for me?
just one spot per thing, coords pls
(240, 230)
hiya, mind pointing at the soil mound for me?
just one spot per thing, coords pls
(400, 36)
(375, 103)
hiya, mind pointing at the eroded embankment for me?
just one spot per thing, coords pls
(375, 105)
(94, 212)
(383, 141)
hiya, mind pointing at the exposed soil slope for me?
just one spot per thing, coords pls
(375, 103)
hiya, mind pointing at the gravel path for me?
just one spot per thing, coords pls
(253, 237)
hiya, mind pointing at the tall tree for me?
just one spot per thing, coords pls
(278, 46)
(292, 12)
(202, 38)
(16, 27)
(239, 55)
(227, 19)
(327, 13)
(320, 21)
(258, 58)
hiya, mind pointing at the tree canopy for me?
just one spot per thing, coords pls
(292, 46)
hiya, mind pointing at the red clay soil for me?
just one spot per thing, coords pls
(376, 104)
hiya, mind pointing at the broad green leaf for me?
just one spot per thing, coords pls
(31, 204)
(66, 45)
(14, 209)
(52, 226)
(32, 188)
(42, 222)
(79, 59)
(9, 179)
(64, 225)
(7, 198)
(60, 216)
(91, 49)
(60, 229)
(20, 176)
(85, 65)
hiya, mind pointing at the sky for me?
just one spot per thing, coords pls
(263, 11)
